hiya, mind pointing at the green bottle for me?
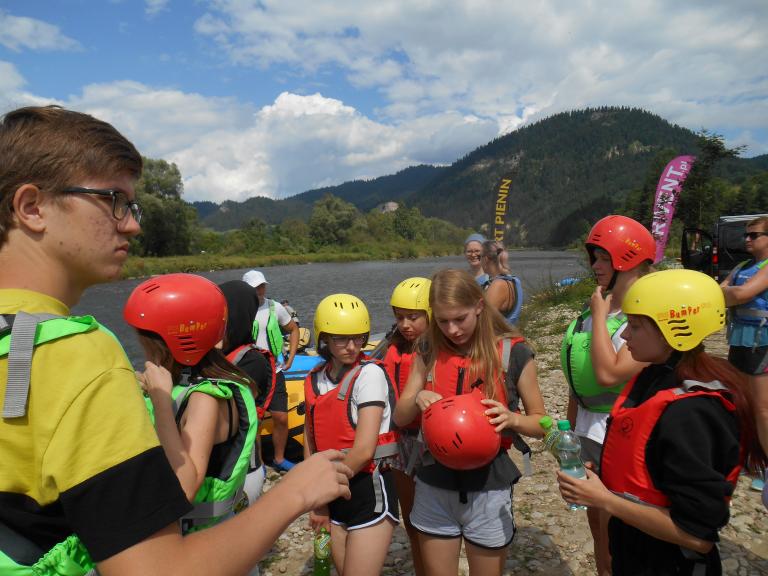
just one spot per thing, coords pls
(322, 566)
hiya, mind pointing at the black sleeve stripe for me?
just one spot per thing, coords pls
(125, 504)
(373, 403)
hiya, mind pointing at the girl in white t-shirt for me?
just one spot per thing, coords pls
(349, 403)
(595, 361)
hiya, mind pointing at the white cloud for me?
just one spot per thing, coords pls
(448, 76)
(517, 61)
(12, 93)
(154, 7)
(19, 32)
(228, 150)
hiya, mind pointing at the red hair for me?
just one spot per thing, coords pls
(698, 365)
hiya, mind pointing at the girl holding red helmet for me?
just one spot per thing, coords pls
(470, 350)
(349, 402)
(207, 426)
(410, 305)
(593, 356)
(678, 435)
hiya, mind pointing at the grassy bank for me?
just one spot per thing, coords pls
(537, 318)
(138, 267)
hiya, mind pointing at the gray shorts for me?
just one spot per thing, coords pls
(591, 451)
(485, 520)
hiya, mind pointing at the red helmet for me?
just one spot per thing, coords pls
(458, 433)
(187, 311)
(627, 241)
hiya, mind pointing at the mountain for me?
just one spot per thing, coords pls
(364, 194)
(571, 168)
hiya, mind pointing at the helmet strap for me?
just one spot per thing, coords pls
(612, 283)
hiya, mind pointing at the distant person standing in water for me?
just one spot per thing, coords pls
(473, 250)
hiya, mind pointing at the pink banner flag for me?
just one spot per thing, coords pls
(667, 193)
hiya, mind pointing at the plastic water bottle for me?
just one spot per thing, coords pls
(322, 565)
(551, 434)
(568, 449)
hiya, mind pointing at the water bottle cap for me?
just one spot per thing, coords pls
(545, 422)
(563, 425)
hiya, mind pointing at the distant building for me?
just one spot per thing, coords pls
(389, 207)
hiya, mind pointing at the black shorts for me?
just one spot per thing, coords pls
(279, 401)
(360, 510)
(750, 361)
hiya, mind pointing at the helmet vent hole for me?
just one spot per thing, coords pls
(150, 288)
(187, 343)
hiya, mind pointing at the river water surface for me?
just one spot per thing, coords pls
(305, 285)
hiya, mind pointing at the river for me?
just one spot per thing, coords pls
(305, 285)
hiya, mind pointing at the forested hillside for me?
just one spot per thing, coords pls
(364, 194)
(571, 168)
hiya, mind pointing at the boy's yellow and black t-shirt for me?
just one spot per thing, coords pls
(85, 459)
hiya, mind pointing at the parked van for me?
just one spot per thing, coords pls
(717, 252)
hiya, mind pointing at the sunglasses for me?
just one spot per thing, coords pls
(121, 204)
(754, 235)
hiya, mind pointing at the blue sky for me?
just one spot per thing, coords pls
(275, 97)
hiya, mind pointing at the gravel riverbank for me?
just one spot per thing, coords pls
(551, 539)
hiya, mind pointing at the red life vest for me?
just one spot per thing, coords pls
(449, 376)
(329, 415)
(398, 367)
(623, 468)
(237, 355)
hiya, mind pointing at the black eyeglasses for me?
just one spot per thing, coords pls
(754, 235)
(344, 340)
(121, 204)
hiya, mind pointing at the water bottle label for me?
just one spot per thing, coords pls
(323, 545)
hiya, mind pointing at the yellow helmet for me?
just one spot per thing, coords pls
(686, 305)
(342, 314)
(412, 294)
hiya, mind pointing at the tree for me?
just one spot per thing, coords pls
(332, 220)
(639, 202)
(161, 179)
(408, 222)
(166, 229)
(701, 200)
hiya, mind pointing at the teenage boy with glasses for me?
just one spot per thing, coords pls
(83, 471)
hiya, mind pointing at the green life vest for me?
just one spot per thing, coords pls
(221, 494)
(18, 555)
(274, 334)
(576, 362)
(67, 558)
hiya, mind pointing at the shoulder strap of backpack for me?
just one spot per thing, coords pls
(26, 331)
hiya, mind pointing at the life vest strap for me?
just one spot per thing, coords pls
(204, 512)
(637, 500)
(20, 361)
(690, 385)
(382, 451)
(346, 382)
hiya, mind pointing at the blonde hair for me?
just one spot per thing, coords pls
(457, 288)
(761, 221)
